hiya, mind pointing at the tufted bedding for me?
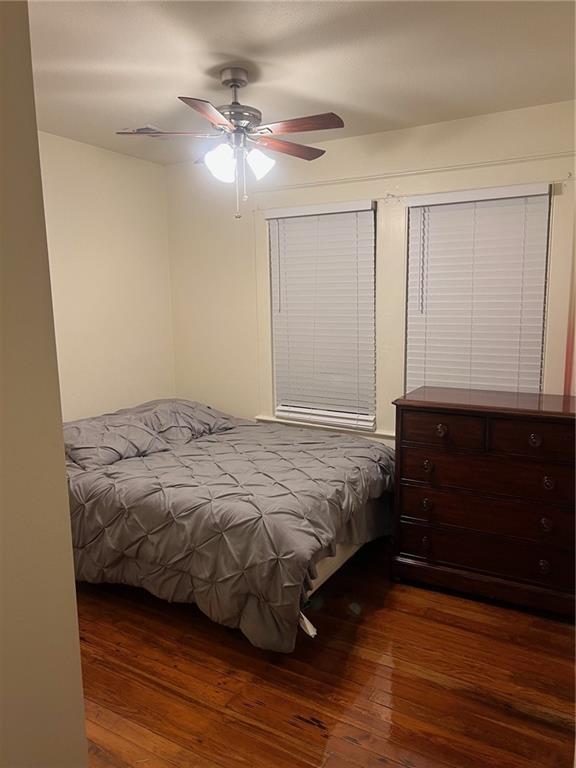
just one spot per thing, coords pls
(197, 506)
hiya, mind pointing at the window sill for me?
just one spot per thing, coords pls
(377, 435)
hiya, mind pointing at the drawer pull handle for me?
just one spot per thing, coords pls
(428, 466)
(426, 504)
(425, 543)
(534, 440)
(549, 483)
(545, 524)
(441, 430)
(544, 567)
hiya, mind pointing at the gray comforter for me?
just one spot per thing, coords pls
(196, 506)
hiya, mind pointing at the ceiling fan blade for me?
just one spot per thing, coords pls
(149, 131)
(288, 147)
(321, 122)
(208, 111)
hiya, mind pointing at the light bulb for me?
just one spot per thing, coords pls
(221, 163)
(259, 163)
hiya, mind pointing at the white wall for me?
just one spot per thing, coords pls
(41, 714)
(109, 264)
(220, 277)
(213, 294)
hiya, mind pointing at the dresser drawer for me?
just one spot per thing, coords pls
(531, 520)
(489, 554)
(443, 429)
(414, 540)
(489, 474)
(532, 438)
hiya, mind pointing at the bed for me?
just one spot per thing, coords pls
(240, 517)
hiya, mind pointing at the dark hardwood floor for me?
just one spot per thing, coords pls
(398, 676)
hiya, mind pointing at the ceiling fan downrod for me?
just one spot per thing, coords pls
(234, 77)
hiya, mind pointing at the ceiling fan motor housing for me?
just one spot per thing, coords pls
(241, 115)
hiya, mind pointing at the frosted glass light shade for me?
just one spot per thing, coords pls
(221, 163)
(259, 163)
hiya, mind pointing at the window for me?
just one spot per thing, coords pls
(323, 317)
(476, 293)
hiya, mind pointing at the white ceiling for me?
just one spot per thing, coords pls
(103, 66)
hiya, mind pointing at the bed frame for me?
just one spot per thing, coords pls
(329, 565)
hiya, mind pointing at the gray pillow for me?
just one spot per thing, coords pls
(92, 443)
(180, 421)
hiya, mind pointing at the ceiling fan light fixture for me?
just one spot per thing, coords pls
(260, 164)
(221, 162)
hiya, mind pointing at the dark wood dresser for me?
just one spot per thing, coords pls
(485, 494)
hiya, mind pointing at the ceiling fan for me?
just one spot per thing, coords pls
(241, 134)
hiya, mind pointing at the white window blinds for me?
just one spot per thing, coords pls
(323, 318)
(476, 294)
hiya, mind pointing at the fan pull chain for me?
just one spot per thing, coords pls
(240, 181)
(244, 190)
(237, 215)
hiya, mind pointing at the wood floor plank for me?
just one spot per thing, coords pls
(112, 726)
(106, 745)
(398, 676)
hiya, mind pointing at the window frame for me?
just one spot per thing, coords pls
(317, 416)
(478, 196)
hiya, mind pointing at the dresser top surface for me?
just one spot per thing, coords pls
(524, 403)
